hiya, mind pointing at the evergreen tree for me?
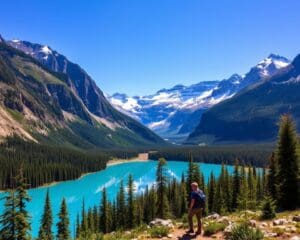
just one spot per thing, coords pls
(8, 218)
(211, 192)
(130, 203)
(78, 227)
(121, 206)
(288, 165)
(259, 193)
(104, 211)
(235, 185)
(183, 203)
(272, 174)
(63, 231)
(193, 175)
(22, 216)
(243, 196)
(268, 208)
(96, 219)
(45, 232)
(252, 188)
(219, 198)
(227, 190)
(161, 181)
(84, 223)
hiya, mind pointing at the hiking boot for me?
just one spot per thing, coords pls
(199, 232)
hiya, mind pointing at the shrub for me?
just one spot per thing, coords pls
(279, 231)
(213, 227)
(244, 232)
(268, 208)
(159, 232)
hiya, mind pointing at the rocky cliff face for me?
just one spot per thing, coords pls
(55, 101)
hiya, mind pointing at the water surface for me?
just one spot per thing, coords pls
(89, 187)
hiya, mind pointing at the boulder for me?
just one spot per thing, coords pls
(229, 228)
(161, 222)
(295, 238)
(252, 223)
(296, 218)
(224, 220)
(213, 216)
(280, 221)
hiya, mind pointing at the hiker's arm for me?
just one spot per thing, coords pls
(192, 203)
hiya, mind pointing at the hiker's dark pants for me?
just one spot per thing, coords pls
(198, 213)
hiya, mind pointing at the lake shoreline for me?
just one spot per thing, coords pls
(109, 163)
(119, 161)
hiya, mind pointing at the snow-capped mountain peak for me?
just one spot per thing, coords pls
(169, 111)
(272, 63)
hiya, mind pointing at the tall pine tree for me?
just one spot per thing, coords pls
(45, 232)
(288, 165)
(22, 216)
(8, 218)
(161, 182)
(63, 224)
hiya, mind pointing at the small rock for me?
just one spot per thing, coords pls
(127, 232)
(280, 221)
(296, 218)
(224, 220)
(228, 229)
(270, 234)
(161, 222)
(295, 238)
(170, 235)
(252, 223)
(263, 225)
(213, 216)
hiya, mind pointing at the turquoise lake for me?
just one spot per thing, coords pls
(89, 187)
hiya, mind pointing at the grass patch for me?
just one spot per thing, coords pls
(15, 114)
(213, 227)
(244, 232)
(159, 232)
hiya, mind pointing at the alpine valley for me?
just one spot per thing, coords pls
(175, 113)
(46, 98)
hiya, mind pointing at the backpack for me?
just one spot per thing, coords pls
(201, 198)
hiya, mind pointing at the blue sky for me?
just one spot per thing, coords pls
(140, 46)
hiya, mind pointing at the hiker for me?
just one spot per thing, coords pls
(196, 207)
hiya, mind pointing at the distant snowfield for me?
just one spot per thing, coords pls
(169, 110)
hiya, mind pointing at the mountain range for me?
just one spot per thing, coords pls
(47, 98)
(176, 112)
(253, 114)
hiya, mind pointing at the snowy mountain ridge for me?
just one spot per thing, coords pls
(177, 110)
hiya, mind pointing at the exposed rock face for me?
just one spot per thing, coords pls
(61, 107)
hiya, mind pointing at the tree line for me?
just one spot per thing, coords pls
(43, 164)
(249, 154)
(246, 188)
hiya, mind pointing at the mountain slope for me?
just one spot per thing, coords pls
(174, 113)
(64, 107)
(253, 114)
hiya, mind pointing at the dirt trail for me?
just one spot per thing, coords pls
(180, 234)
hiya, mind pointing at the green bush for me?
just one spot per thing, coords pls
(268, 208)
(213, 227)
(159, 232)
(244, 232)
